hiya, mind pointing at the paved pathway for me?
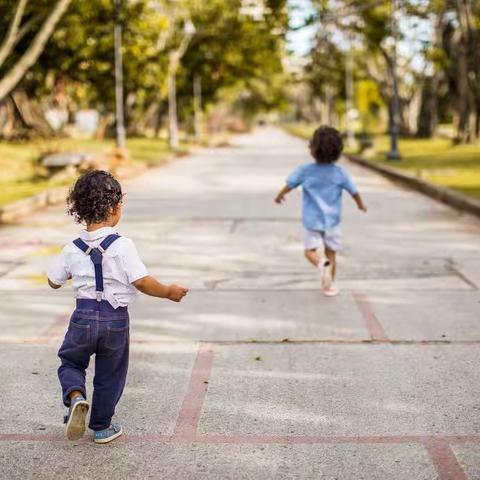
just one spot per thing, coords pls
(256, 375)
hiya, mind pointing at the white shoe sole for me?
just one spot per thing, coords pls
(109, 439)
(332, 293)
(76, 421)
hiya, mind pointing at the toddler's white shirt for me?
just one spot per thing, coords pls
(121, 266)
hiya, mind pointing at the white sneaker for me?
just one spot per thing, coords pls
(331, 291)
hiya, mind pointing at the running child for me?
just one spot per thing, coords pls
(106, 272)
(323, 182)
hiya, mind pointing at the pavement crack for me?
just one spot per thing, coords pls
(454, 269)
(235, 223)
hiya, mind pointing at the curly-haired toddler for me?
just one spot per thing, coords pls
(106, 272)
(323, 183)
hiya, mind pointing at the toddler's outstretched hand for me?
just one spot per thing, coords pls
(280, 198)
(176, 293)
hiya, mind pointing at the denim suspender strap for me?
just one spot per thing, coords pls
(96, 255)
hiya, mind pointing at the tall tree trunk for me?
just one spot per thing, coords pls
(464, 95)
(468, 57)
(17, 72)
(428, 113)
(13, 31)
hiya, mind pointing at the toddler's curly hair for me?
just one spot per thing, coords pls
(326, 145)
(93, 197)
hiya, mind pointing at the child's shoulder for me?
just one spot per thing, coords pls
(339, 168)
(308, 166)
(122, 243)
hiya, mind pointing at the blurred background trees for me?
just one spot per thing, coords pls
(235, 57)
(438, 62)
(57, 58)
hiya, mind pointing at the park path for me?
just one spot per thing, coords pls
(256, 374)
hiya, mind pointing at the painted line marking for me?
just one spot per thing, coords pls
(444, 459)
(437, 447)
(377, 333)
(53, 332)
(191, 410)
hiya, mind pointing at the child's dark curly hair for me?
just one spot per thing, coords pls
(93, 197)
(326, 145)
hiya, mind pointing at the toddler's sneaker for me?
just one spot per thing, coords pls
(108, 434)
(75, 419)
(331, 291)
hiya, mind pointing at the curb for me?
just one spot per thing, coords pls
(443, 194)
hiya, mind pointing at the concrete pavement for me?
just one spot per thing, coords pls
(256, 374)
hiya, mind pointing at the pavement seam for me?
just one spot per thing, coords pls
(53, 332)
(462, 276)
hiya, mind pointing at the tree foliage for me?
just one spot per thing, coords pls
(445, 85)
(235, 55)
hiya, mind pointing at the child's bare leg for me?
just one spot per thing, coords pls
(332, 258)
(312, 256)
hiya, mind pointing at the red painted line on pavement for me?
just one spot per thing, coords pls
(52, 333)
(48, 336)
(371, 321)
(444, 459)
(189, 416)
(437, 447)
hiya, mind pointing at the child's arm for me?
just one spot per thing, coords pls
(281, 194)
(151, 286)
(359, 201)
(58, 273)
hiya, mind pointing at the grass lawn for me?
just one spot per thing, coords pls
(19, 173)
(438, 161)
(435, 160)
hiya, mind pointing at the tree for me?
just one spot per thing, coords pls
(237, 56)
(11, 78)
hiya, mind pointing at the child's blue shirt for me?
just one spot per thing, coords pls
(322, 184)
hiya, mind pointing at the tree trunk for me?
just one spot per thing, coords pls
(464, 96)
(428, 114)
(468, 72)
(17, 72)
(11, 38)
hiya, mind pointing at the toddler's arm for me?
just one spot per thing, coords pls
(58, 273)
(281, 194)
(359, 201)
(151, 286)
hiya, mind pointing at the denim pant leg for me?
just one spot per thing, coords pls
(111, 366)
(75, 356)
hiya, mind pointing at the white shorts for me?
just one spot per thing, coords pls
(314, 239)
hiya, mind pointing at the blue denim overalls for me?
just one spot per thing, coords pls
(96, 328)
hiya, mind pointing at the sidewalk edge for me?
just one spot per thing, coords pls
(442, 194)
